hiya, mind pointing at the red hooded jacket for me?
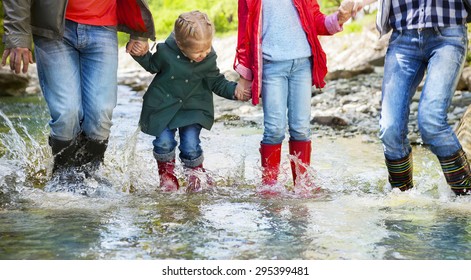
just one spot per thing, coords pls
(248, 60)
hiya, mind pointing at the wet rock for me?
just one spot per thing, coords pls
(349, 73)
(12, 84)
(329, 121)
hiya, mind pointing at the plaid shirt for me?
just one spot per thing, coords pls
(414, 14)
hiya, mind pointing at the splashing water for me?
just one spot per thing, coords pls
(348, 213)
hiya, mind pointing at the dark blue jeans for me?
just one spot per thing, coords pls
(191, 153)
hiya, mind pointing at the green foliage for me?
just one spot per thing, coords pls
(356, 26)
(223, 13)
(1, 27)
(329, 6)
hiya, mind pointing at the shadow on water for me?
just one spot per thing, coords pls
(354, 215)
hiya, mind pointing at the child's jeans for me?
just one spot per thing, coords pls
(191, 153)
(286, 97)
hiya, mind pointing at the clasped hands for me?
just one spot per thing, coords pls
(348, 9)
(243, 91)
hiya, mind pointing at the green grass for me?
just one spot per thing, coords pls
(356, 26)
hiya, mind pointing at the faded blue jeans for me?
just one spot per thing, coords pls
(286, 97)
(78, 78)
(440, 52)
(191, 153)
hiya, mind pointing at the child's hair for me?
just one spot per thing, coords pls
(193, 25)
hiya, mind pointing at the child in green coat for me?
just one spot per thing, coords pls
(180, 96)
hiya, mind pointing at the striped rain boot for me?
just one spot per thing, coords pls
(457, 172)
(400, 172)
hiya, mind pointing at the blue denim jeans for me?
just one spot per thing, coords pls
(191, 153)
(78, 78)
(441, 53)
(286, 96)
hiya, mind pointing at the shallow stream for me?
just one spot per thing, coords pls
(354, 215)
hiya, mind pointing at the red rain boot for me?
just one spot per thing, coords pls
(194, 180)
(271, 157)
(302, 151)
(168, 181)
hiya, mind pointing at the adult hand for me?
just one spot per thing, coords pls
(345, 11)
(137, 48)
(358, 5)
(18, 56)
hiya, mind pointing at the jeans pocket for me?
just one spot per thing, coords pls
(395, 36)
(458, 31)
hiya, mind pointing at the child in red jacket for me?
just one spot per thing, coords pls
(280, 57)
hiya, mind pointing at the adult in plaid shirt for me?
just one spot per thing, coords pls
(428, 36)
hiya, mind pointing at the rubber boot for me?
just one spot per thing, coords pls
(64, 172)
(401, 172)
(194, 178)
(64, 153)
(457, 172)
(91, 154)
(168, 180)
(271, 157)
(302, 151)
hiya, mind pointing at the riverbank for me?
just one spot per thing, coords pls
(350, 103)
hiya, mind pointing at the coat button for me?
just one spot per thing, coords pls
(172, 77)
(178, 56)
(186, 81)
(180, 101)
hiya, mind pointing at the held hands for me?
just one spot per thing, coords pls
(348, 9)
(243, 90)
(137, 48)
(17, 57)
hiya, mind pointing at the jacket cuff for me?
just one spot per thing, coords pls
(17, 41)
(138, 38)
(332, 23)
(245, 72)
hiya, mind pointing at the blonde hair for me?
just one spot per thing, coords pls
(193, 26)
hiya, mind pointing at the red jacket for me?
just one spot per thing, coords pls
(248, 60)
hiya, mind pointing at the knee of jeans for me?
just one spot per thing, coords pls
(431, 125)
(390, 133)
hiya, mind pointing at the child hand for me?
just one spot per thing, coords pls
(137, 48)
(243, 90)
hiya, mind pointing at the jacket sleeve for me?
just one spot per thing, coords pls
(135, 18)
(243, 58)
(218, 83)
(325, 25)
(149, 62)
(16, 24)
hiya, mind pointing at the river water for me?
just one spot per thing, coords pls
(353, 214)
